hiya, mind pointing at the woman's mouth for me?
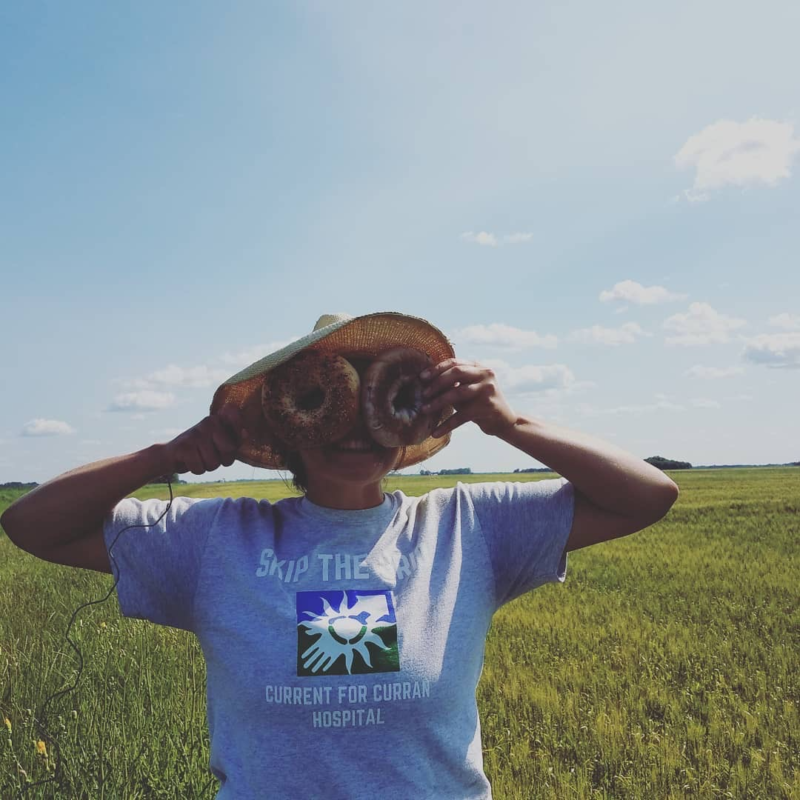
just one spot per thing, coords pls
(355, 446)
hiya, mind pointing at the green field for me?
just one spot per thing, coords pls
(665, 667)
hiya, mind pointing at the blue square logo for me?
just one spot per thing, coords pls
(346, 632)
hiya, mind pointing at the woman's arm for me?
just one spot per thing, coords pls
(616, 493)
(56, 520)
(73, 505)
(611, 478)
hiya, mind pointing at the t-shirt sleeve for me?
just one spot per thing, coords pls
(526, 525)
(158, 566)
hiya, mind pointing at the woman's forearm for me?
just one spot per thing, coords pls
(74, 503)
(610, 477)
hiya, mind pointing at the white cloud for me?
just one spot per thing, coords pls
(713, 373)
(501, 336)
(170, 432)
(633, 292)
(539, 378)
(787, 321)
(731, 153)
(634, 410)
(142, 401)
(490, 240)
(199, 377)
(517, 238)
(626, 334)
(701, 325)
(255, 353)
(704, 402)
(484, 238)
(529, 379)
(777, 350)
(46, 427)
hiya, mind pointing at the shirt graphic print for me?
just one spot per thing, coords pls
(346, 632)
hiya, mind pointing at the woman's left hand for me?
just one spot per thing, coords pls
(473, 392)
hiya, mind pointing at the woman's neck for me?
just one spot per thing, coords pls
(346, 496)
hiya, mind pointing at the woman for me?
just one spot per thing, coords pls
(343, 630)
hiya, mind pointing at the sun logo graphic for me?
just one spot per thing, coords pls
(349, 632)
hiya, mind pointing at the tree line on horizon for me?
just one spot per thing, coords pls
(657, 461)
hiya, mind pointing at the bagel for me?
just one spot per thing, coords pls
(311, 399)
(391, 398)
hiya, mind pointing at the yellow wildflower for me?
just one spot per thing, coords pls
(102, 625)
(8, 723)
(41, 748)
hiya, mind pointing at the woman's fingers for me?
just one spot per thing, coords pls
(208, 453)
(472, 390)
(233, 420)
(450, 424)
(217, 443)
(459, 395)
(214, 441)
(226, 441)
(432, 372)
(194, 457)
(448, 373)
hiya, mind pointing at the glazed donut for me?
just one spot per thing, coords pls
(311, 399)
(391, 398)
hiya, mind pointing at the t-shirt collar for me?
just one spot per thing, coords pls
(351, 516)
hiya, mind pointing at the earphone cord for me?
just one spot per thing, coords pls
(43, 732)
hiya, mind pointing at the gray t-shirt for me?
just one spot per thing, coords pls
(343, 648)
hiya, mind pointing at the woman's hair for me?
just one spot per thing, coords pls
(298, 469)
(295, 465)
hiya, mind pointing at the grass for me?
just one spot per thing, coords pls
(665, 667)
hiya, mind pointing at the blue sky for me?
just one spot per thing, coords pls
(601, 202)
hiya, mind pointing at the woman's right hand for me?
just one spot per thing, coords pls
(214, 441)
(62, 520)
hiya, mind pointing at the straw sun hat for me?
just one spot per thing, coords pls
(345, 335)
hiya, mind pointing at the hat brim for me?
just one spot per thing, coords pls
(368, 335)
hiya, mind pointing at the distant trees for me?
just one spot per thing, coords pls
(667, 463)
(166, 478)
(657, 461)
(18, 485)
(459, 471)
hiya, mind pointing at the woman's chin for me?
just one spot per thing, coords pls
(374, 454)
(367, 463)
